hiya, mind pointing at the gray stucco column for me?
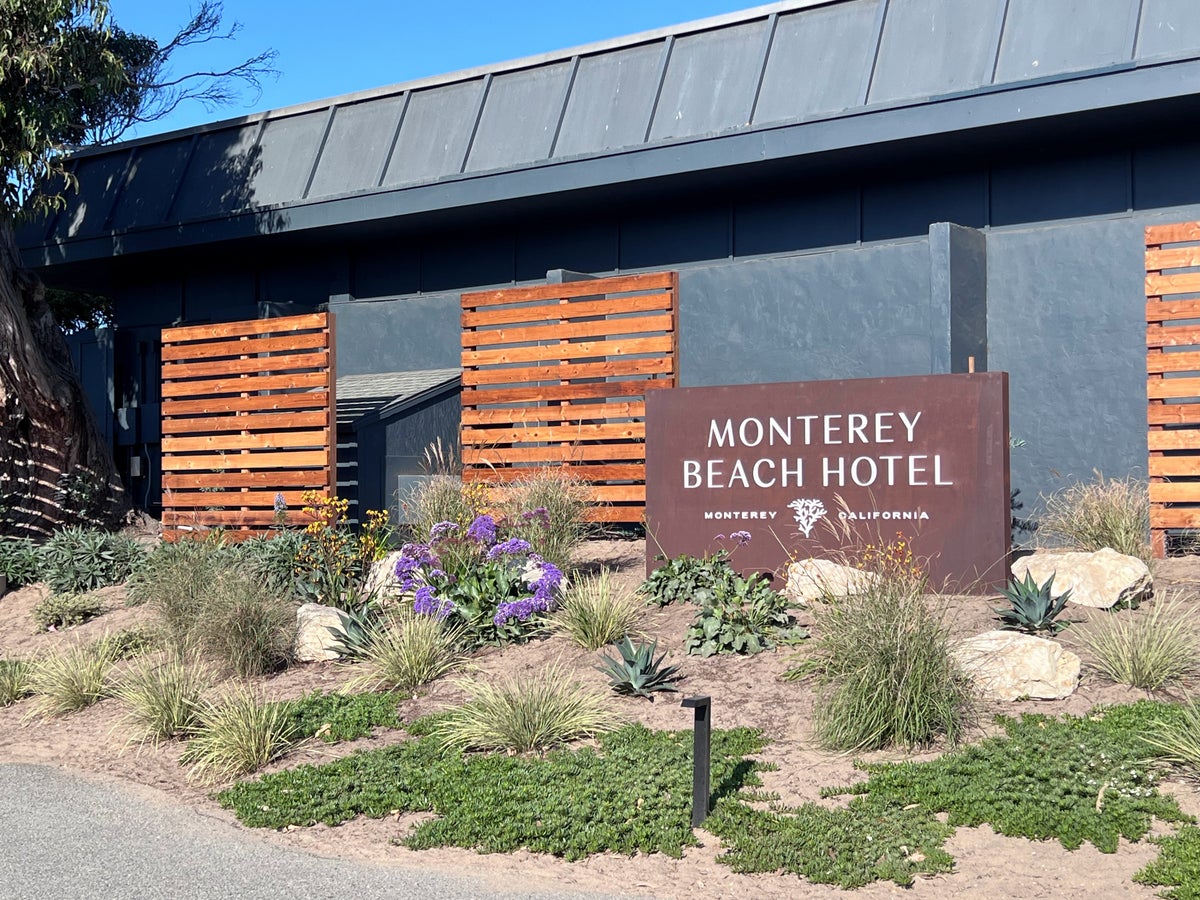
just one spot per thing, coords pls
(957, 298)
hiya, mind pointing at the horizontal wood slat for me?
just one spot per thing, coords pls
(619, 284)
(1172, 375)
(608, 340)
(247, 415)
(1168, 310)
(569, 350)
(244, 347)
(614, 368)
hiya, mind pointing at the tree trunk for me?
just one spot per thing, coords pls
(55, 468)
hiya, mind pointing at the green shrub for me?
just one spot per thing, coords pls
(245, 624)
(1154, 649)
(885, 674)
(16, 682)
(76, 559)
(238, 733)
(549, 510)
(742, 615)
(631, 794)
(638, 672)
(1177, 866)
(688, 579)
(162, 697)
(533, 712)
(65, 610)
(406, 652)
(273, 557)
(1105, 513)
(20, 561)
(342, 717)
(71, 679)
(595, 613)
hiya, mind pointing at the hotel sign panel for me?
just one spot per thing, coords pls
(822, 468)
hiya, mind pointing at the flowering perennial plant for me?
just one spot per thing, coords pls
(333, 562)
(496, 589)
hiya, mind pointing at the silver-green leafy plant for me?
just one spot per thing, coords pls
(1032, 607)
(639, 672)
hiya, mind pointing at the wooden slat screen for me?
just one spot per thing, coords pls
(556, 375)
(247, 412)
(1173, 371)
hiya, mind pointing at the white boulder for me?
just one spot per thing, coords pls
(314, 641)
(1101, 580)
(1010, 665)
(816, 579)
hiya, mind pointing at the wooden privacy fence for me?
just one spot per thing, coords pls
(248, 413)
(556, 375)
(1173, 367)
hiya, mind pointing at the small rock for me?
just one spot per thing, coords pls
(1009, 665)
(314, 641)
(814, 579)
(1101, 580)
(381, 583)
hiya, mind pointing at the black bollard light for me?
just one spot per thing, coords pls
(701, 757)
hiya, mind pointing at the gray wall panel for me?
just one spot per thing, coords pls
(153, 178)
(1047, 37)
(935, 47)
(217, 177)
(1166, 174)
(855, 313)
(287, 151)
(1066, 320)
(1083, 185)
(798, 222)
(610, 102)
(100, 177)
(819, 61)
(519, 117)
(1168, 27)
(433, 138)
(904, 207)
(399, 335)
(710, 82)
(358, 143)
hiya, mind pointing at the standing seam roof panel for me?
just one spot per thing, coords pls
(1052, 37)
(357, 146)
(610, 101)
(519, 117)
(433, 138)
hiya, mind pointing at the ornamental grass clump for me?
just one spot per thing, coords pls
(1175, 738)
(237, 734)
(72, 679)
(245, 624)
(1104, 513)
(594, 612)
(525, 714)
(407, 651)
(16, 680)
(162, 697)
(548, 509)
(1156, 648)
(884, 671)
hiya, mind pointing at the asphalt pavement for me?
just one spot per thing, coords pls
(66, 837)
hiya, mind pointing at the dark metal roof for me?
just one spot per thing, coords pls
(788, 79)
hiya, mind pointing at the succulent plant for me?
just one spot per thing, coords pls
(1033, 608)
(638, 672)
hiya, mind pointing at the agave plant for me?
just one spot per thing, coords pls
(1033, 608)
(638, 672)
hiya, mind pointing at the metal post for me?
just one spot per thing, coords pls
(701, 758)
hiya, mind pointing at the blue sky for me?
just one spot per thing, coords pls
(326, 49)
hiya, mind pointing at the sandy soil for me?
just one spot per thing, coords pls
(745, 691)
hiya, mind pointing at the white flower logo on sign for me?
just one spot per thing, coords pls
(807, 513)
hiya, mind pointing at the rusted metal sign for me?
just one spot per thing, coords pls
(825, 468)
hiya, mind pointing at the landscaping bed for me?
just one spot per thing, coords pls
(811, 788)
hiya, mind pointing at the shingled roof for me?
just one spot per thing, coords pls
(775, 82)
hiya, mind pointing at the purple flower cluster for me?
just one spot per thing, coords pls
(544, 578)
(541, 515)
(441, 530)
(511, 547)
(482, 530)
(426, 603)
(408, 566)
(740, 538)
